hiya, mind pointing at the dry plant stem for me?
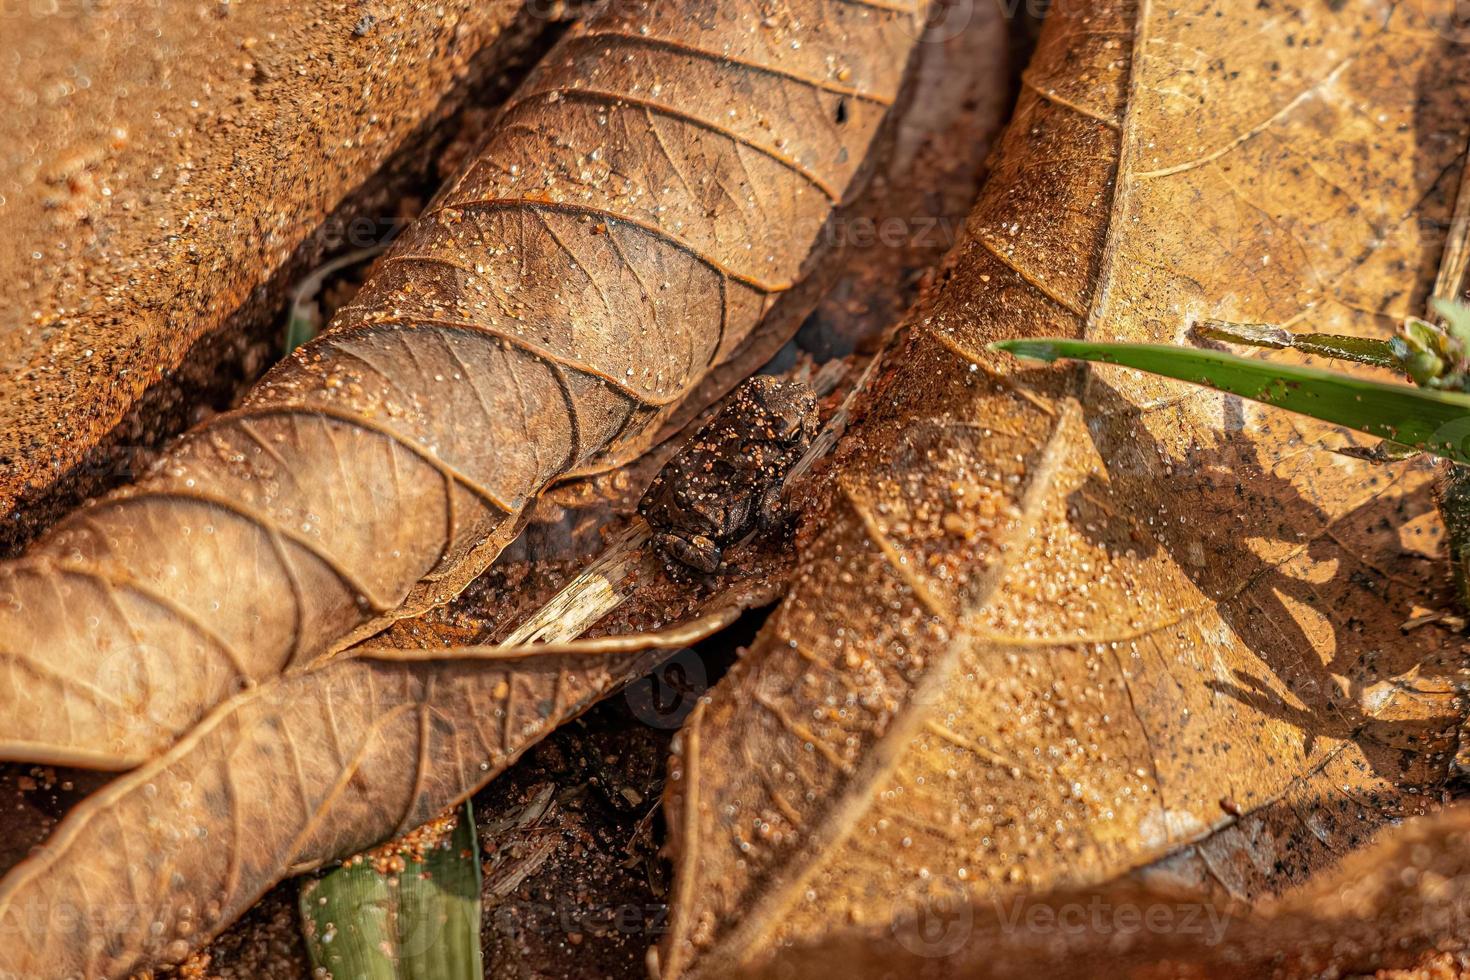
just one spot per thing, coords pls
(646, 195)
(592, 594)
(1454, 264)
(696, 629)
(832, 431)
(1453, 487)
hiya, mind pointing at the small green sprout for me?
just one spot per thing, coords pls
(1436, 356)
(1433, 417)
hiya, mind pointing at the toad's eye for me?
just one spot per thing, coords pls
(785, 428)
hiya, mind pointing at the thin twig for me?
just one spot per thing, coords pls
(683, 635)
(832, 431)
(591, 595)
(1454, 263)
(301, 324)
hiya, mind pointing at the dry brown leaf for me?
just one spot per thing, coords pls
(321, 763)
(646, 196)
(1398, 905)
(312, 766)
(1057, 625)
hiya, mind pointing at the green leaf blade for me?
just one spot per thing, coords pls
(1433, 421)
(422, 923)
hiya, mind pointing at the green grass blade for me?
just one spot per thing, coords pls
(299, 329)
(1430, 420)
(421, 923)
(439, 930)
(303, 320)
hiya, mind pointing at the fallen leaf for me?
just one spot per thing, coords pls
(285, 777)
(1053, 625)
(1397, 905)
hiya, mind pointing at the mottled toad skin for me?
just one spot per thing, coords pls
(726, 481)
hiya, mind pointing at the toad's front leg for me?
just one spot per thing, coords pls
(772, 511)
(698, 552)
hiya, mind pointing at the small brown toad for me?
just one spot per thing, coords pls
(726, 481)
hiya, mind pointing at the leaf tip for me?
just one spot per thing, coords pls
(1028, 350)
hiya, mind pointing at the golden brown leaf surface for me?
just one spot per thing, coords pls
(651, 190)
(164, 173)
(1399, 905)
(1057, 625)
